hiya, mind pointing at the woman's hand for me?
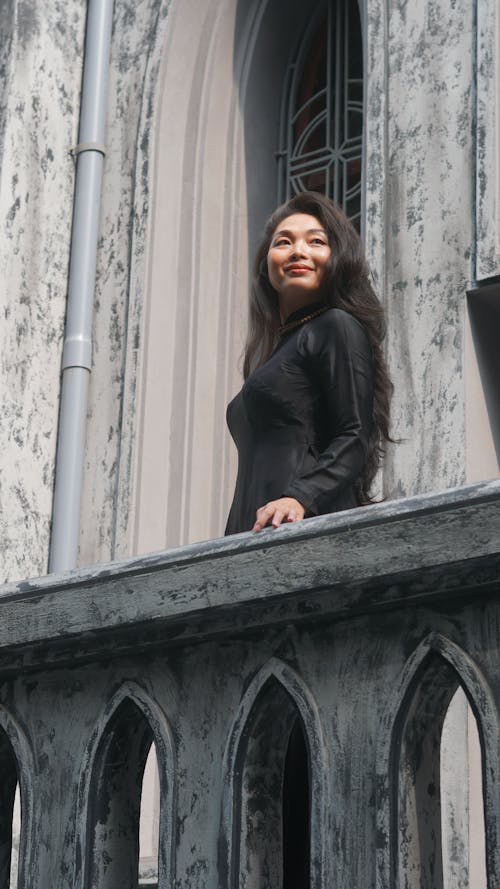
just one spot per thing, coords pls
(286, 509)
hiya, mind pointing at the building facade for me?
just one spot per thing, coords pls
(206, 130)
(194, 145)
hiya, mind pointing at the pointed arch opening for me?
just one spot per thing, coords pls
(438, 768)
(297, 811)
(114, 811)
(17, 821)
(130, 757)
(16, 839)
(272, 746)
(9, 831)
(462, 800)
(276, 774)
(149, 823)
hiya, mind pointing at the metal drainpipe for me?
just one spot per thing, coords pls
(77, 351)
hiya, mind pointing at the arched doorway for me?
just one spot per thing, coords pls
(215, 180)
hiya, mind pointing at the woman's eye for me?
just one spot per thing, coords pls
(319, 241)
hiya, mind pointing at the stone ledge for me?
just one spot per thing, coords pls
(420, 548)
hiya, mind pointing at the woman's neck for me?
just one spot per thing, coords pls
(289, 309)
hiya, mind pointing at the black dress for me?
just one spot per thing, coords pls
(302, 420)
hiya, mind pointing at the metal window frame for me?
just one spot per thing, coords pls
(293, 161)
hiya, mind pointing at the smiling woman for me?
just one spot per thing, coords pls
(313, 414)
(297, 261)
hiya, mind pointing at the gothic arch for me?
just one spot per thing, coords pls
(212, 174)
(266, 695)
(439, 659)
(16, 752)
(153, 727)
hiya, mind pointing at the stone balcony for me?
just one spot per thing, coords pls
(352, 632)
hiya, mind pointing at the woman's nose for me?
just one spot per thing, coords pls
(299, 248)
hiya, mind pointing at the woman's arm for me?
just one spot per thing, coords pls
(339, 354)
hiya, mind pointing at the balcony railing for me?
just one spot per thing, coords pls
(294, 684)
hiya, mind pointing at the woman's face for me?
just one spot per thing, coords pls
(297, 258)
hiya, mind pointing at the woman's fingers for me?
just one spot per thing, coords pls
(277, 511)
(277, 518)
(264, 515)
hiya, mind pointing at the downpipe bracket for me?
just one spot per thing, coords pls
(88, 146)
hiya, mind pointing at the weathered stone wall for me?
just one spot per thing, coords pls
(421, 210)
(40, 81)
(40, 78)
(136, 52)
(487, 140)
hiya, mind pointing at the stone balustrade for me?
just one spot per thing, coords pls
(294, 684)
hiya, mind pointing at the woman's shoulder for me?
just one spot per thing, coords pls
(331, 327)
(340, 320)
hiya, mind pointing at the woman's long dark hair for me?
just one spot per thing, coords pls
(346, 286)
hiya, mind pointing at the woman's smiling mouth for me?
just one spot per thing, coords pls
(298, 267)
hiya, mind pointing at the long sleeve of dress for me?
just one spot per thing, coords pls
(338, 354)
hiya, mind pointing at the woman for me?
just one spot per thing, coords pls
(313, 414)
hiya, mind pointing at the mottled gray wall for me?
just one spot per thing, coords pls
(487, 139)
(40, 80)
(134, 84)
(420, 205)
(40, 75)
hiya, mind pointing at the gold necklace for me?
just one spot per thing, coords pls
(291, 325)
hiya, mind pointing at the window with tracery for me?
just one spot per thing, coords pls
(322, 114)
